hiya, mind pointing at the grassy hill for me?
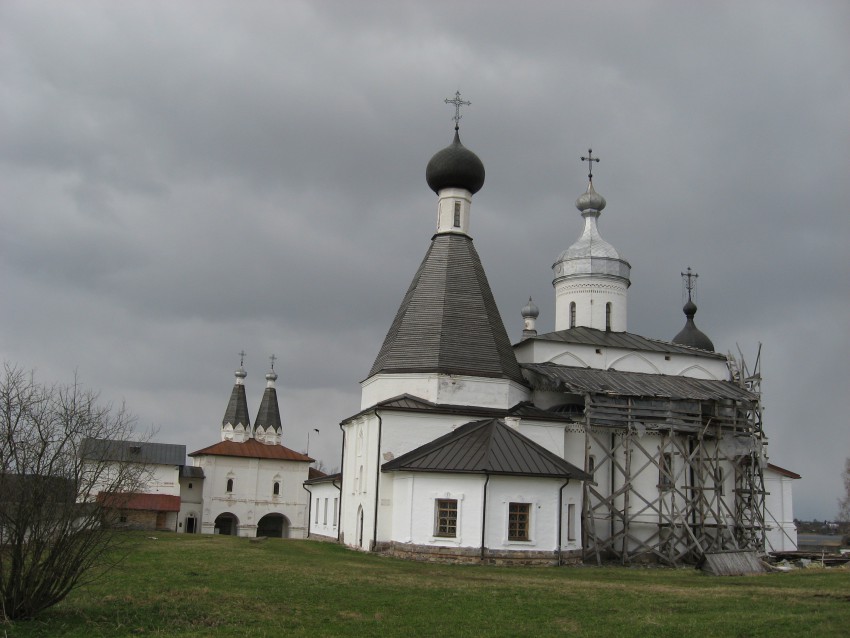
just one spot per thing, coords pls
(224, 586)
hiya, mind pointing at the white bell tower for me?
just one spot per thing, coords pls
(591, 278)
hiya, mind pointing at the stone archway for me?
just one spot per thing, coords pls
(227, 524)
(273, 526)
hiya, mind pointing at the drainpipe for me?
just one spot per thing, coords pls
(377, 482)
(309, 508)
(341, 473)
(561, 517)
(339, 507)
(484, 514)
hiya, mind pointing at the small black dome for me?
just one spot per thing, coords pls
(690, 335)
(455, 167)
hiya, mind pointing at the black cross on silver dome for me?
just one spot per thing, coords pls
(458, 103)
(590, 159)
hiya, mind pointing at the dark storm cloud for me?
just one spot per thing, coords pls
(185, 180)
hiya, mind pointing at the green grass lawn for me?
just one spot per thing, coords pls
(224, 586)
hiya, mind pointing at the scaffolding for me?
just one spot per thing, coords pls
(662, 468)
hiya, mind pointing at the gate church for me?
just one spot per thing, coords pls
(588, 442)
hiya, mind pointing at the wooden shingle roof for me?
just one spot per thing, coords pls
(448, 321)
(485, 447)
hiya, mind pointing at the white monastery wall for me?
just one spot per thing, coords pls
(324, 509)
(779, 515)
(440, 388)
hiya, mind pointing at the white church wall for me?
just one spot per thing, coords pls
(440, 388)
(191, 505)
(252, 495)
(414, 513)
(416, 495)
(605, 358)
(591, 295)
(324, 509)
(543, 497)
(781, 535)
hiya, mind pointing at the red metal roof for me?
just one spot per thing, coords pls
(783, 471)
(137, 501)
(252, 449)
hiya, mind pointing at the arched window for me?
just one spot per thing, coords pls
(276, 488)
(572, 314)
(229, 485)
(608, 316)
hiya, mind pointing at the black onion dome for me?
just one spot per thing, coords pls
(690, 335)
(455, 167)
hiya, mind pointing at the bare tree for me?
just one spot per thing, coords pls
(54, 531)
(844, 503)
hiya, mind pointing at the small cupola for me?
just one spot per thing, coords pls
(530, 312)
(455, 173)
(591, 278)
(690, 335)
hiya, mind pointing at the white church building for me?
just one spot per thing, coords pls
(251, 484)
(586, 443)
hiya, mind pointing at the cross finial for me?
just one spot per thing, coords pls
(458, 103)
(242, 358)
(690, 282)
(590, 159)
(272, 359)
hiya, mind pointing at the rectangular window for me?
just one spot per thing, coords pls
(518, 519)
(316, 518)
(325, 515)
(336, 510)
(571, 522)
(457, 214)
(446, 514)
(665, 472)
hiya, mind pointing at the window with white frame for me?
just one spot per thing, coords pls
(445, 515)
(519, 519)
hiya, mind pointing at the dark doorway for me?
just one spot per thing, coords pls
(273, 526)
(226, 524)
(191, 523)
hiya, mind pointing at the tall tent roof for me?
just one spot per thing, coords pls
(448, 321)
(268, 415)
(237, 408)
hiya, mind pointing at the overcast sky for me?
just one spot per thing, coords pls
(181, 181)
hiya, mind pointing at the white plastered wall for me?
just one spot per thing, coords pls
(252, 496)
